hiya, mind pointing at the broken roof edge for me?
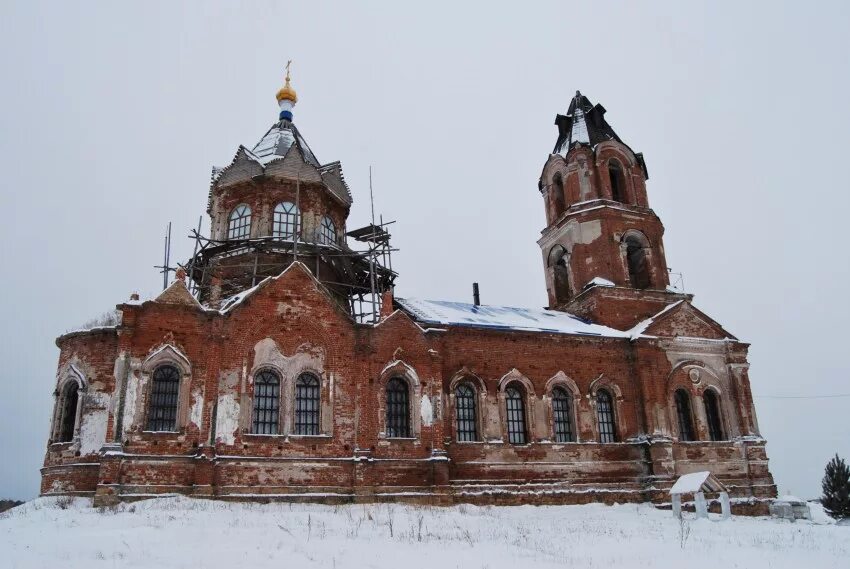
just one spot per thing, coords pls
(702, 481)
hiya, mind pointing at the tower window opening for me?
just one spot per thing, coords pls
(239, 223)
(68, 412)
(515, 406)
(560, 272)
(398, 408)
(266, 403)
(558, 199)
(307, 405)
(605, 417)
(327, 231)
(618, 181)
(467, 428)
(683, 414)
(712, 415)
(637, 263)
(287, 221)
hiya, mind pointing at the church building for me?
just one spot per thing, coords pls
(279, 364)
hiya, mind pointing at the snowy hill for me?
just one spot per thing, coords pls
(181, 532)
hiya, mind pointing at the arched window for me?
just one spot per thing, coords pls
(307, 405)
(558, 200)
(618, 181)
(327, 231)
(68, 412)
(683, 414)
(239, 223)
(605, 417)
(266, 403)
(562, 415)
(466, 410)
(637, 262)
(287, 220)
(398, 408)
(515, 405)
(558, 261)
(162, 406)
(712, 415)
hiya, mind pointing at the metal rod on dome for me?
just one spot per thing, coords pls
(195, 285)
(166, 257)
(297, 215)
(372, 247)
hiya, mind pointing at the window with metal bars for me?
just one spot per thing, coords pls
(162, 405)
(712, 415)
(562, 415)
(398, 408)
(327, 231)
(68, 412)
(307, 405)
(605, 417)
(239, 223)
(286, 220)
(465, 408)
(683, 414)
(266, 403)
(515, 405)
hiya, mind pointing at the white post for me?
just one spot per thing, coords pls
(725, 506)
(700, 505)
(677, 505)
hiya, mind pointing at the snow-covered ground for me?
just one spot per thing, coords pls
(182, 532)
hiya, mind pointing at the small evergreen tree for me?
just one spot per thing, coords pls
(836, 489)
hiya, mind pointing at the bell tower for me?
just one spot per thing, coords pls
(600, 231)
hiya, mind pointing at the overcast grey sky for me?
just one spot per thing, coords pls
(113, 114)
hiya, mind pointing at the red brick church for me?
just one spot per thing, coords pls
(279, 365)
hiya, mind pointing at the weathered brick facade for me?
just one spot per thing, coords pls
(604, 261)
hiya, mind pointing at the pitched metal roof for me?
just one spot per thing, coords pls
(446, 313)
(585, 123)
(278, 140)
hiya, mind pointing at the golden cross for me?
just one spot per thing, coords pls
(288, 63)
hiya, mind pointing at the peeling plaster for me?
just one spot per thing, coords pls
(196, 414)
(426, 410)
(227, 418)
(94, 422)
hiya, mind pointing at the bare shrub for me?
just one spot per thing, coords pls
(64, 502)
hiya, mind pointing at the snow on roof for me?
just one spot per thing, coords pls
(639, 328)
(696, 482)
(599, 281)
(502, 318)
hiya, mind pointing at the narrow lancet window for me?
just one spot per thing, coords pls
(562, 411)
(605, 417)
(398, 408)
(467, 423)
(515, 405)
